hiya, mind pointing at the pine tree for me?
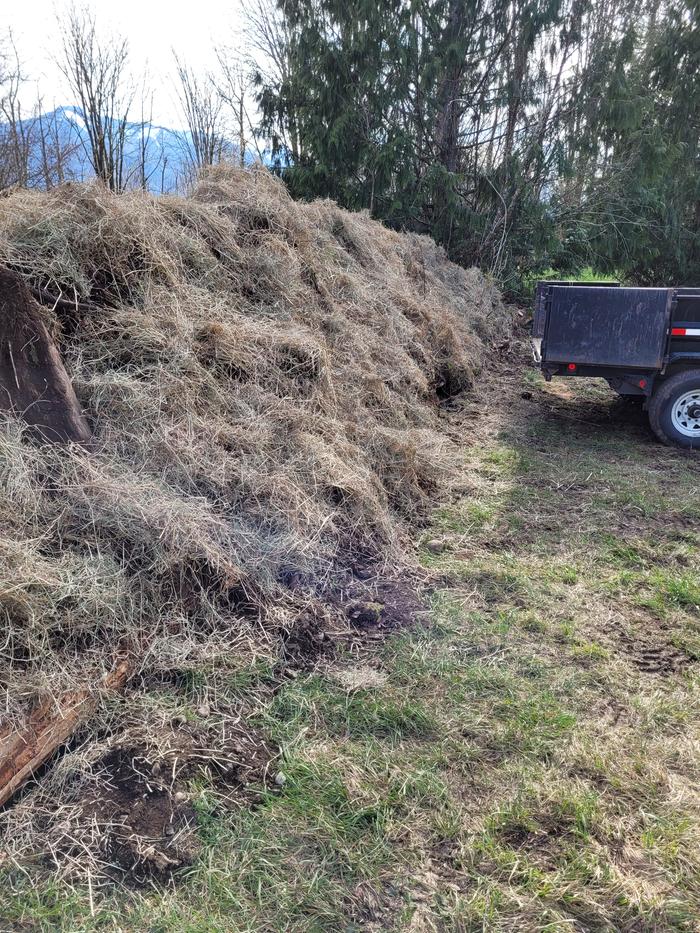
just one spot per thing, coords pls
(547, 132)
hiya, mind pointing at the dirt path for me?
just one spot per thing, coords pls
(525, 760)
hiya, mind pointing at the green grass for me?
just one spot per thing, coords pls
(517, 766)
(317, 706)
(587, 274)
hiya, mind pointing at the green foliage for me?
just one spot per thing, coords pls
(557, 134)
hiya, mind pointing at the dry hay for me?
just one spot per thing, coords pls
(262, 380)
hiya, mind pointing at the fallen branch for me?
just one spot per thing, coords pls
(49, 726)
(45, 298)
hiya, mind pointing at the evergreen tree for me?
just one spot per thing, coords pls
(520, 135)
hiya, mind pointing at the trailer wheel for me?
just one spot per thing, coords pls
(674, 410)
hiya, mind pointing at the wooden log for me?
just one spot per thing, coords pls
(23, 751)
(34, 384)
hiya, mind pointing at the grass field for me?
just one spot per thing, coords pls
(526, 760)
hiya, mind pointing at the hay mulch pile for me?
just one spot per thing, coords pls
(262, 382)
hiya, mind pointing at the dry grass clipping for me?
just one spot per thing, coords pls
(262, 379)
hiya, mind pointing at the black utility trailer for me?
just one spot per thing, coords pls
(644, 341)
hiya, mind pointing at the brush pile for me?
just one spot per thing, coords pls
(261, 379)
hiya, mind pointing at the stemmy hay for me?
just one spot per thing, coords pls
(262, 378)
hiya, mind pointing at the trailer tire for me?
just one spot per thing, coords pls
(674, 410)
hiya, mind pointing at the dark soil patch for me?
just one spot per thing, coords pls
(363, 614)
(234, 757)
(146, 832)
(610, 413)
(306, 641)
(383, 604)
(644, 643)
(140, 805)
(366, 602)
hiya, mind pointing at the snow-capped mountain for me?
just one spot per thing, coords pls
(165, 151)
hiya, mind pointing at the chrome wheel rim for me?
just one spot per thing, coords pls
(685, 414)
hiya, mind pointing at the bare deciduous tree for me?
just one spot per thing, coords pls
(96, 70)
(35, 147)
(54, 146)
(150, 161)
(15, 132)
(235, 87)
(269, 37)
(202, 108)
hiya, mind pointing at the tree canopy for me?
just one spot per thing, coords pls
(522, 136)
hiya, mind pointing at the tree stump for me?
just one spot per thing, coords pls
(34, 384)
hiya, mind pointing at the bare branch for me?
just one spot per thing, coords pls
(202, 108)
(96, 71)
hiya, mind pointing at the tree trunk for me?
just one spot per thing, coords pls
(447, 130)
(34, 384)
(521, 47)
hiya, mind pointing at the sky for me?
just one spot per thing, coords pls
(152, 27)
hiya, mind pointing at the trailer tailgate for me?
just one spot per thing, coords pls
(607, 326)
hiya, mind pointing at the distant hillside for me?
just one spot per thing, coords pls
(166, 150)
